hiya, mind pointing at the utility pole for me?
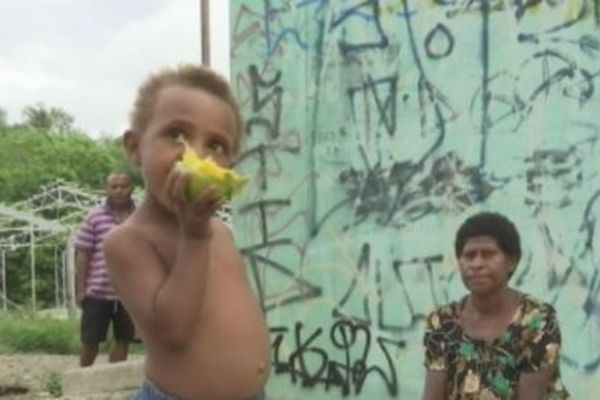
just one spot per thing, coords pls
(205, 31)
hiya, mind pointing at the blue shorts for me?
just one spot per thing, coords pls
(149, 391)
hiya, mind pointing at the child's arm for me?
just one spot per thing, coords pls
(167, 304)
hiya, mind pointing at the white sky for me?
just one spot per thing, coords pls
(89, 56)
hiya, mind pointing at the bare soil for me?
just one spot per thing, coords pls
(32, 376)
(29, 376)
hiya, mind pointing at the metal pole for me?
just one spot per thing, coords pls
(4, 280)
(205, 31)
(70, 283)
(56, 285)
(64, 278)
(32, 266)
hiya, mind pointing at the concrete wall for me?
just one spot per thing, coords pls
(374, 129)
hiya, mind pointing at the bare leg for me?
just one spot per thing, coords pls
(88, 354)
(118, 352)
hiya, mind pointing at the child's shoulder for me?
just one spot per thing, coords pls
(124, 235)
(126, 247)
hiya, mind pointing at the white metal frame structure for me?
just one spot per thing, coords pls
(54, 212)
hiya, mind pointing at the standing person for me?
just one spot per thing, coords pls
(495, 343)
(174, 265)
(94, 293)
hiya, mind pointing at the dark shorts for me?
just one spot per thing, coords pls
(149, 391)
(98, 314)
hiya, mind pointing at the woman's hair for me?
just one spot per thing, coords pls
(494, 225)
(190, 76)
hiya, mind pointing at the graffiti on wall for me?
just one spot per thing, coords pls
(374, 128)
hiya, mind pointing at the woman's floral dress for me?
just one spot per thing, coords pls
(489, 369)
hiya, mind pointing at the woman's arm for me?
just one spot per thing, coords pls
(533, 385)
(435, 385)
(541, 355)
(436, 363)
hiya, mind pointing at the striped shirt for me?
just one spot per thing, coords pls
(91, 240)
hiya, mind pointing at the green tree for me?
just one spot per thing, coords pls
(50, 120)
(122, 164)
(29, 160)
(3, 122)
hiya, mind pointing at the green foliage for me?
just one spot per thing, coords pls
(29, 159)
(18, 278)
(114, 147)
(3, 122)
(50, 120)
(28, 333)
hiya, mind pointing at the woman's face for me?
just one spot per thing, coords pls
(485, 268)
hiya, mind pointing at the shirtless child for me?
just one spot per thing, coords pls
(173, 264)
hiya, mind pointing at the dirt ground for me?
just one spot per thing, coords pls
(33, 372)
(32, 376)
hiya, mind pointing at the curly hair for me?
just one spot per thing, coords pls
(191, 76)
(494, 225)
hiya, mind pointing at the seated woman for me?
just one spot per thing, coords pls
(495, 343)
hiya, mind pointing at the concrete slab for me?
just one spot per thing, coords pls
(103, 378)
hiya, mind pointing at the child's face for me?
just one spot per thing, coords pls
(203, 120)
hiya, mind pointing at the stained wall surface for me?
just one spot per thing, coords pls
(374, 129)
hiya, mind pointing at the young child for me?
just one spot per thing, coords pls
(173, 264)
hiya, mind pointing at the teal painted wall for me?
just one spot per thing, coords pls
(374, 129)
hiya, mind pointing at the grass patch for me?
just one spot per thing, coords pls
(28, 333)
(53, 384)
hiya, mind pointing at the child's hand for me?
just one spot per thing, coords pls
(193, 215)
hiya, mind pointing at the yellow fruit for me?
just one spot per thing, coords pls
(206, 172)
